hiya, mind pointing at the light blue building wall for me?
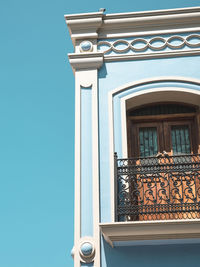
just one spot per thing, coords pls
(111, 76)
(122, 61)
(116, 74)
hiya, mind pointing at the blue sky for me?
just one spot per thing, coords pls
(37, 127)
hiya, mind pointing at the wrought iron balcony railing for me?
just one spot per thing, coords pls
(157, 188)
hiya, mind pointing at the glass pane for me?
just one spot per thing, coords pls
(148, 141)
(180, 139)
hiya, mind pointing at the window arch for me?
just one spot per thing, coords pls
(136, 99)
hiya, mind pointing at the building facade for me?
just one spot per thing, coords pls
(137, 138)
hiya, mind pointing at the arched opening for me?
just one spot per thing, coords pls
(162, 179)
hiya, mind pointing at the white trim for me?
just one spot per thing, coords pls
(181, 53)
(124, 129)
(83, 26)
(86, 61)
(157, 242)
(98, 25)
(111, 151)
(77, 193)
(154, 80)
(86, 78)
(166, 42)
(152, 21)
(124, 138)
(159, 12)
(130, 33)
(149, 231)
(95, 166)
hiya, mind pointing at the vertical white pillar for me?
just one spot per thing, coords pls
(86, 156)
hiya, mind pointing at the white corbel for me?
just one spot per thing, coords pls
(86, 61)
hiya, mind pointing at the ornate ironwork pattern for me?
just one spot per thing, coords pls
(157, 43)
(158, 188)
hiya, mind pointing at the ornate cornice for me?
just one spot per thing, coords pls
(84, 26)
(163, 33)
(150, 22)
(99, 25)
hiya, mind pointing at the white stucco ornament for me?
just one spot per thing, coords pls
(87, 250)
(86, 46)
(72, 252)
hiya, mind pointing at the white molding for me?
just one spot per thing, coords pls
(151, 230)
(181, 53)
(85, 78)
(173, 11)
(127, 24)
(111, 152)
(95, 167)
(84, 26)
(86, 61)
(147, 81)
(124, 129)
(97, 25)
(123, 105)
(77, 169)
(148, 43)
(130, 33)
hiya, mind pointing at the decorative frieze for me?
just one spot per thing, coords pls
(156, 43)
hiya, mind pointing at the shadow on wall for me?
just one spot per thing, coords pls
(103, 71)
(152, 256)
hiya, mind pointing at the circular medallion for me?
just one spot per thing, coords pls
(86, 46)
(87, 249)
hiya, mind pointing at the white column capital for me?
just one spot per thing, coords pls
(86, 61)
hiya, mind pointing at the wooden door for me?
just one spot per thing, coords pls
(180, 142)
(154, 144)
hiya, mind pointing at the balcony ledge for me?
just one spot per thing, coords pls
(151, 232)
